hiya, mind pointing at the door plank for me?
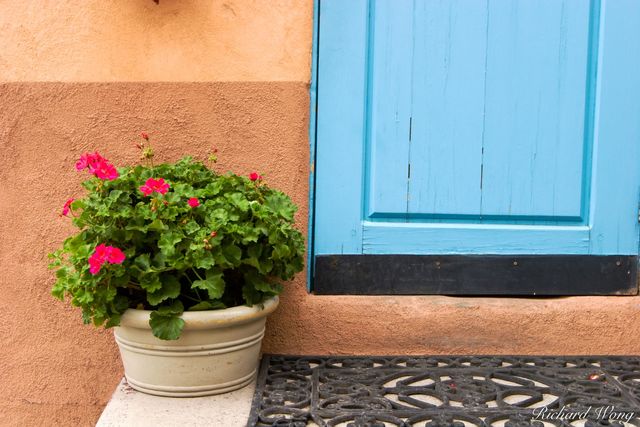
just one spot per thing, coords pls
(447, 108)
(390, 106)
(535, 108)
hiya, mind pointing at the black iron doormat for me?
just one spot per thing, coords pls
(447, 391)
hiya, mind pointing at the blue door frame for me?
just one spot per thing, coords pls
(357, 204)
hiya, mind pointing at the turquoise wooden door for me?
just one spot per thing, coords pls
(477, 127)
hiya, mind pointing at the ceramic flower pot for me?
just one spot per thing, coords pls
(217, 352)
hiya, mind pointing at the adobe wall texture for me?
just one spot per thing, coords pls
(53, 367)
(237, 77)
(176, 40)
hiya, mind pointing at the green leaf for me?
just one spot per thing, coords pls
(182, 189)
(260, 283)
(166, 327)
(168, 242)
(159, 260)
(143, 262)
(254, 252)
(239, 200)
(170, 289)
(213, 284)
(136, 227)
(232, 253)
(250, 294)
(58, 290)
(77, 204)
(156, 225)
(191, 227)
(166, 323)
(281, 204)
(281, 251)
(72, 244)
(205, 261)
(113, 321)
(120, 303)
(150, 282)
(83, 297)
(175, 308)
(250, 235)
(207, 305)
(114, 195)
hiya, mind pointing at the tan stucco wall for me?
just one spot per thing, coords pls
(51, 365)
(137, 40)
(254, 109)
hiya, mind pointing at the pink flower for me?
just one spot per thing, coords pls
(97, 165)
(253, 176)
(104, 254)
(105, 170)
(144, 135)
(67, 207)
(194, 202)
(116, 256)
(94, 266)
(152, 185)
(88, 159)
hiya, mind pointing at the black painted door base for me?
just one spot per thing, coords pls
(531, 275)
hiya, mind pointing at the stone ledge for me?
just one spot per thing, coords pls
(129, 407)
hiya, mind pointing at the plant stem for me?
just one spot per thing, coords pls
(132, 285)
(191, 298)
(194, 289)
(194, 270)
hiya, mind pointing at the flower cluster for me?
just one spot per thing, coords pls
(153, 185)
(67, 207)
(103, 254)
(173, 237)
(97, 165)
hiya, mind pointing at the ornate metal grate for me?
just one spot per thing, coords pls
(447, 391)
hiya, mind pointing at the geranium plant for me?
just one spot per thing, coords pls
(173, 237)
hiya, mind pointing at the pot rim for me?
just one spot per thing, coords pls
(205, 319)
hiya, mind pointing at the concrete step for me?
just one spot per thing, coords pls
(129, 407)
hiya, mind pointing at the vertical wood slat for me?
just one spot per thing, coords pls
(448, 107)
(390, 92)
(535, 108)
(341, 81)
(616, 158)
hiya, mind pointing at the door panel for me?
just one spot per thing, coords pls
(479, 109)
